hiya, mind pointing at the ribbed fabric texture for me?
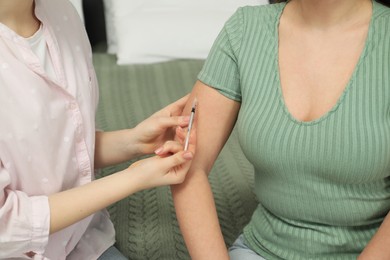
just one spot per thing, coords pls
(323, 186)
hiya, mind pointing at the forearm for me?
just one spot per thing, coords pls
(197, 216)
(378, 248)
(114, 147)
(71, 206)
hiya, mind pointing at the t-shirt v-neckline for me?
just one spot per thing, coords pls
(347, 86)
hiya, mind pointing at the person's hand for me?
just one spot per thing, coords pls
(168, 167)
(154, 131)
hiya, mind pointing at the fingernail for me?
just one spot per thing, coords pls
(186, 119)
(187, 155)
(159, 150)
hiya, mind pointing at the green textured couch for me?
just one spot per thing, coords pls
(146, 225)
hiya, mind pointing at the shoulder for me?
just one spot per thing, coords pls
(58, 10)
(253, 24)
(382, 12)
(55, 4)
(262, 11)
(61, 16)
(252, 19)
(63, 23)
(266, 14)
(381, 21)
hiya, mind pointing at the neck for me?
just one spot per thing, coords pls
(324, 14)
(19, 16)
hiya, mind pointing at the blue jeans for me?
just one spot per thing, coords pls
(240, 251)
(112, 254)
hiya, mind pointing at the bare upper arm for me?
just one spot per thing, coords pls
(214, 121)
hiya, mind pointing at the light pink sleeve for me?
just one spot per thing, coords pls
(24, 220)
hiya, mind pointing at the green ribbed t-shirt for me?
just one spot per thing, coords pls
(323, 186)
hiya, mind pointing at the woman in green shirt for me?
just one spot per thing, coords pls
(307, 83)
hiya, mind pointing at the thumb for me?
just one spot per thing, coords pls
(176, 159)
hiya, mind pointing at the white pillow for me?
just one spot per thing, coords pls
(149, 31)
(79, 7)
(109, 14)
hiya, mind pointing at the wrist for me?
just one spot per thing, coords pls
(131, 180)
(132, 145)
